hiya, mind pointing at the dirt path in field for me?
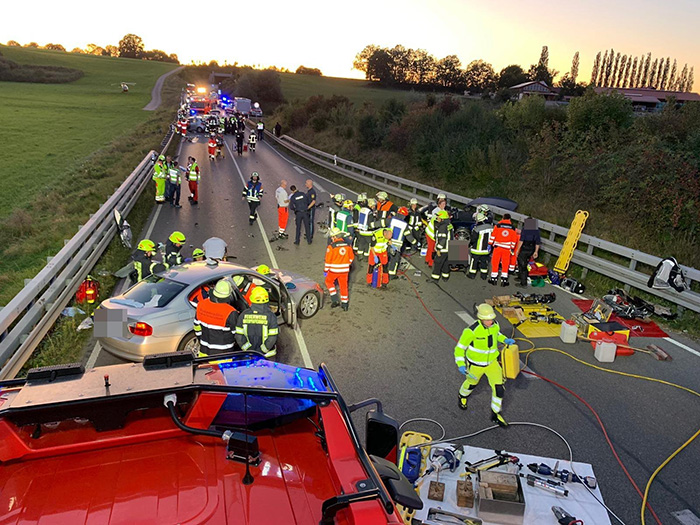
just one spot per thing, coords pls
(155, 94)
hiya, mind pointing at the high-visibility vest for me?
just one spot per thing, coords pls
(253, 191)
(478, 345)
(380, 242)
(363, 219)
(383, 208)
(194, 172)
(215, 325)
(481, 235)
(504, 236)
(158, 168)
(430, 229)
(174, 175)
(398, 229)
(443, 234)
(343, 218)
(339, 257)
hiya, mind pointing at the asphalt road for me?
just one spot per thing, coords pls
(388, 346)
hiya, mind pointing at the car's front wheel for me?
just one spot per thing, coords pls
(189, 343)
(309, 305)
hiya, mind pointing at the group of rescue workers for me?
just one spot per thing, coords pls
(167, 176)
(373, 229)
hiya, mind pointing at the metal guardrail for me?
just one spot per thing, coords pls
(407, 189)
(32, 312)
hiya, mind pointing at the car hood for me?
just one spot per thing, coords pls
(286, 276)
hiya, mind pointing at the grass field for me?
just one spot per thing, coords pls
(301, 87)
(48, 128)
(66, 147)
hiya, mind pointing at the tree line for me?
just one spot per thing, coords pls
(624, 71)
(130, 46)
(401, 66)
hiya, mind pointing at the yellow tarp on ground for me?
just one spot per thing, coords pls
(531, 328)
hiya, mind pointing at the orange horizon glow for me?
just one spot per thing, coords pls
(328, 36)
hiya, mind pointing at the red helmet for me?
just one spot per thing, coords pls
(403, 210)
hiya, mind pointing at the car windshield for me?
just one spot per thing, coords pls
(153, 292)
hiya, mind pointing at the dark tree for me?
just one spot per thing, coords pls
(633, 77)
(480, 76)
(313, 71)
(131, 46)
(652, 73)
(574, 67)
(596, 69)
(664, 75)
(448, 72)
(609, 67)
(55, 47)
(511, 76)
(626, 78)
(645, 74)
(672, 78)
(621, 72)
(615, 72)
(691, 79)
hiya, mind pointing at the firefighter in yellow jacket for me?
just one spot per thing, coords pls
(476, 355)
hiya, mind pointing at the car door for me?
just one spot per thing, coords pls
(287, 309)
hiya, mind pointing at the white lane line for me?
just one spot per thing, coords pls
(469, 320)
(681, 345)
(299, 170)
(297, 331)
(93, 356)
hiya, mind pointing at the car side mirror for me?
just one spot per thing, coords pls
(400, 489)
(381, 435)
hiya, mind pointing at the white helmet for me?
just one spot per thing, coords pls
(441, 196)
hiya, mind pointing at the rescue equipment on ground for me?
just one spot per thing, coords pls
(668, 274)
(567, 250)
(88, 291)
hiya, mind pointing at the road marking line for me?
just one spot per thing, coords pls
(298, 169)
(681, 345)
(297, 331)
(93, 356)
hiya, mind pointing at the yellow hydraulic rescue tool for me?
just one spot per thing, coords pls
(571, 241)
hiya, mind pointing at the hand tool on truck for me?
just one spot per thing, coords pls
(563, 475)
(564, 518)
(501, 458)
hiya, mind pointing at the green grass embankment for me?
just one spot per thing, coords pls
(66, 148)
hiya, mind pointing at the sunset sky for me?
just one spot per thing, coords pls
(329, 34)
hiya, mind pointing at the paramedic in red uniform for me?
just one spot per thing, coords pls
(503, 240)
(339, 257)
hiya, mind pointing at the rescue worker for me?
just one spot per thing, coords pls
(173, 257)
(239, 143)
(479, 246)
(253, 192)
(252, 140)
(211, 146)
(245, 286)
(503, 240)
(398, 227)
(476, 354)
(313, 199)
(175, 182)
(443, 235)
(220, 146)
(339, 257)
(377, 274)
(343, 218)
(362, 217)
(528, 246)
(144, 265)
(334, 207)
(159, 176)
(257, 327)
(282, 198)
(414, 232)
(261, 131)
(197, 255)
(385, 208)
(215, 321)
(299, 205)
(183, 125)
(193, 180)
(430, 241)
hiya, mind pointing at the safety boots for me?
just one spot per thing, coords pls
(498, 419)
(493, 281)
(504, 281)
(345, 307)
(462, 402)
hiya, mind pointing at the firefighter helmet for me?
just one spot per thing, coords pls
(161, 157)
(482, 208)
(348, 204)
(177, 237)
(441, 196)
(197, 252)
(443, 214)
(259, 296)
(485, 312)
(334, 232)
(362, 197)
(371, 203)
(263, 269)
(382, 195)
(254, 175)
(338, 198)
(413, 201)
(403, 210)
(238, 280)
(223, 289)
(147, 245)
